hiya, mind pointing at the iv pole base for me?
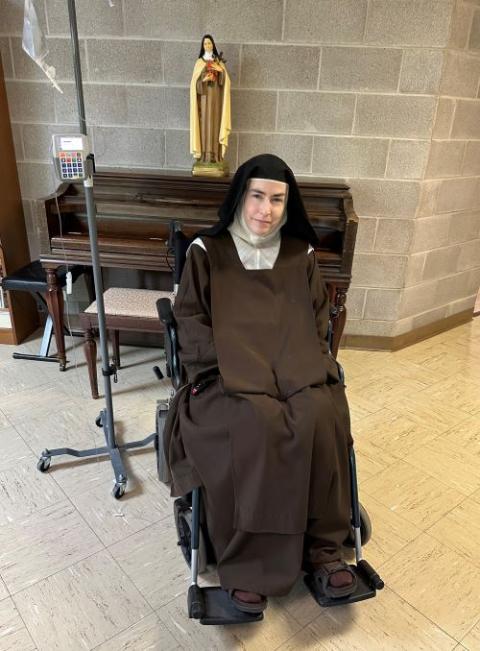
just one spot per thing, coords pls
(112, 450)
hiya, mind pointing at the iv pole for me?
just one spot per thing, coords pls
(105, 418)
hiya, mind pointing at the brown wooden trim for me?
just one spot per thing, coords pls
(369, 342)
(7, 336)
(14, 251)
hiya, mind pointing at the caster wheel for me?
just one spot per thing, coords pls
(98, 421)
(119, 491)
(63, 367)
(43, 464)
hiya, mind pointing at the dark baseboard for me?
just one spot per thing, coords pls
(368, 342)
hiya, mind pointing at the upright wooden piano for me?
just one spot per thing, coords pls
(134, 211)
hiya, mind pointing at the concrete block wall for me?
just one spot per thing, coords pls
(381, 94)
(443, 270)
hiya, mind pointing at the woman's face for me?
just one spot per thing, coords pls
(207, 45)
(264, 205)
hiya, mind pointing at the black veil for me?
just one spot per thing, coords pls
(265, 166)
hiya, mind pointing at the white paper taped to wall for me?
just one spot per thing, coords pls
(34, 42)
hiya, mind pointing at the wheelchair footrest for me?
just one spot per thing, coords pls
(362, 592)
(213, 607)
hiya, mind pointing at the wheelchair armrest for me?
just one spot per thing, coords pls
(165, 314)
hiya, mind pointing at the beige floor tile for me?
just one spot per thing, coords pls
(436, 414)
(370, 459)
(393, 432)
(456, 466)
(390, 532)
(386, 622)
(13, 633)
(433, 357)
(438, 582)
(386, 387)
(460, 530)
(81, 606)
(192, 636)
(397, 408)
(475, 497)
(359, 407)
(3, 590)
(300, 604)
(459, 393)
(471, 641)
(145, 502)
(466, 434)
(149, 634)
(277, 627)
(460, 647)
(24, 490)
(142, 554)
(44, 543)
(14, 450)
(78, 476)
(414, 495)
(4, 422)
(44, 400)
(405, 369)
(14, 378)
(68, 427)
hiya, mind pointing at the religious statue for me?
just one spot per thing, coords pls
(209, 111)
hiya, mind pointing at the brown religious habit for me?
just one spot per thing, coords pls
(268, 439)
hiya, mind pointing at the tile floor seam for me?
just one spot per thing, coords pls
(471, 629)
(24, 624)
(132, 581)
(380, 565)
(134, 533)
(44, 578)
(97, 646)
(455, 641)
(431, 476)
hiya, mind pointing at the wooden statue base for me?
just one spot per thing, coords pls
(210, 169)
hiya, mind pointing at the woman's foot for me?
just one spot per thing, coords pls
(336, 578)
(248, 602)
(340, 579)
(248, 597)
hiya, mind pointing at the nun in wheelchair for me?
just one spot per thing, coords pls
(261, 423)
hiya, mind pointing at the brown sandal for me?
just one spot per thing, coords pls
(323, 574)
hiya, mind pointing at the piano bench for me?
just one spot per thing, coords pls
(132, 310)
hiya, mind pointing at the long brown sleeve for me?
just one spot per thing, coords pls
(193, 316)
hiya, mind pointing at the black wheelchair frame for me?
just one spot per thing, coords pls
(212, 605)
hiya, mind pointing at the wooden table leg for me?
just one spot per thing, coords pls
(55, 307)
(90, 349)
(116, 347)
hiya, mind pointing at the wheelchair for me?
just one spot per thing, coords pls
(212, 605)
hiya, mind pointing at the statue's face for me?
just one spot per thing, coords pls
(207, 45)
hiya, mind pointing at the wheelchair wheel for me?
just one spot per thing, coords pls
(183, 523)
(365, 529)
